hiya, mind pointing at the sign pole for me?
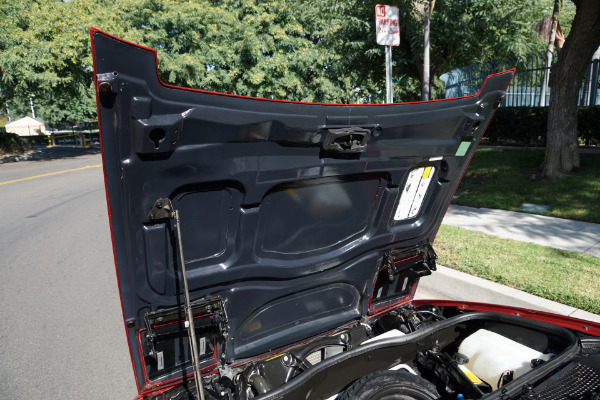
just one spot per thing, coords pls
(388, 75)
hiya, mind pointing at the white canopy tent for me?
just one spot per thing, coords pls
(26, 126)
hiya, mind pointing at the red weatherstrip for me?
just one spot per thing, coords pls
(110, 221)
(94, 30)
(382, 310)
(182, 320)
(589, 327)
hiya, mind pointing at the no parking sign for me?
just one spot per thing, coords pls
(387, 25)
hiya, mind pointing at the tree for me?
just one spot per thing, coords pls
(308, 50)
(562, 148)
(463, 32)
(265, 49)
(426, 90)
(45, 52)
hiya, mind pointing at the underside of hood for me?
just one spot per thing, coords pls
(296, 218)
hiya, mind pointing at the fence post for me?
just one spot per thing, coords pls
(594, 91)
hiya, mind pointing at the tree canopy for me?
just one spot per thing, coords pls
(307, 50)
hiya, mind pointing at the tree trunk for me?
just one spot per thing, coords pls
(562, 148)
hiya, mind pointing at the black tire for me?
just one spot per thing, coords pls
(388, 385)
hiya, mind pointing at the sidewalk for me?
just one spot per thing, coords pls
(447, 283)
(582, 237)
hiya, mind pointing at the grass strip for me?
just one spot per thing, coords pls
(500, 178)
(564, 276)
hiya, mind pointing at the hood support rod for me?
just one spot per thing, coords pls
(188, 312)
(163, 208)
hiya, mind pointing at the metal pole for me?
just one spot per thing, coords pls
(31, 104)
(388, 75)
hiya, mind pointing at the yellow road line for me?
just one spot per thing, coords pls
(51, 173)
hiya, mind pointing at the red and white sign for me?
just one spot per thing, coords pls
(387, 23)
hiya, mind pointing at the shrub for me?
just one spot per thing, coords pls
(527, 125)
(588, 124)
(11, 142)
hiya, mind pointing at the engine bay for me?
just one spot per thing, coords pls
(427, 352)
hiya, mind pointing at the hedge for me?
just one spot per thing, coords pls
(528, 125)
(11, 142)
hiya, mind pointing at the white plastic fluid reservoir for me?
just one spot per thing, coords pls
(490, 355)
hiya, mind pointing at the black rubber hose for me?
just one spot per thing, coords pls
(259, 383)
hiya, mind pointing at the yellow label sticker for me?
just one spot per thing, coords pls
(470, 375)
(426, 173)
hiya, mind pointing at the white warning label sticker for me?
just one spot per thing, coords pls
(414, 192)
(202, 349)
(160, 361)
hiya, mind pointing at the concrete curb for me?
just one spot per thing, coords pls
(460, 286)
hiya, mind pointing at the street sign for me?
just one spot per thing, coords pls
(387, 25)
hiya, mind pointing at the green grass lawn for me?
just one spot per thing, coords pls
(499, 178)
(563, 276)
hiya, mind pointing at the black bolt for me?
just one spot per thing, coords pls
(151, 217)
(159, 205)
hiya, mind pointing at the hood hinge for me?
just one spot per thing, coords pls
(428, 265)
(421, 268)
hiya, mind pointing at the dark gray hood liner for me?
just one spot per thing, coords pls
(281, 218)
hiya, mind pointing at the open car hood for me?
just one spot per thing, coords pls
(296, 218)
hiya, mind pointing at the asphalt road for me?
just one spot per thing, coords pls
(61, 329)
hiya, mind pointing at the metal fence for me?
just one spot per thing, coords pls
(79, 135)
(526, 86)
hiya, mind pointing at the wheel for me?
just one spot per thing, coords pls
(391, 385)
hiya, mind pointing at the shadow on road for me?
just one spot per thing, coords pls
(43, 153)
